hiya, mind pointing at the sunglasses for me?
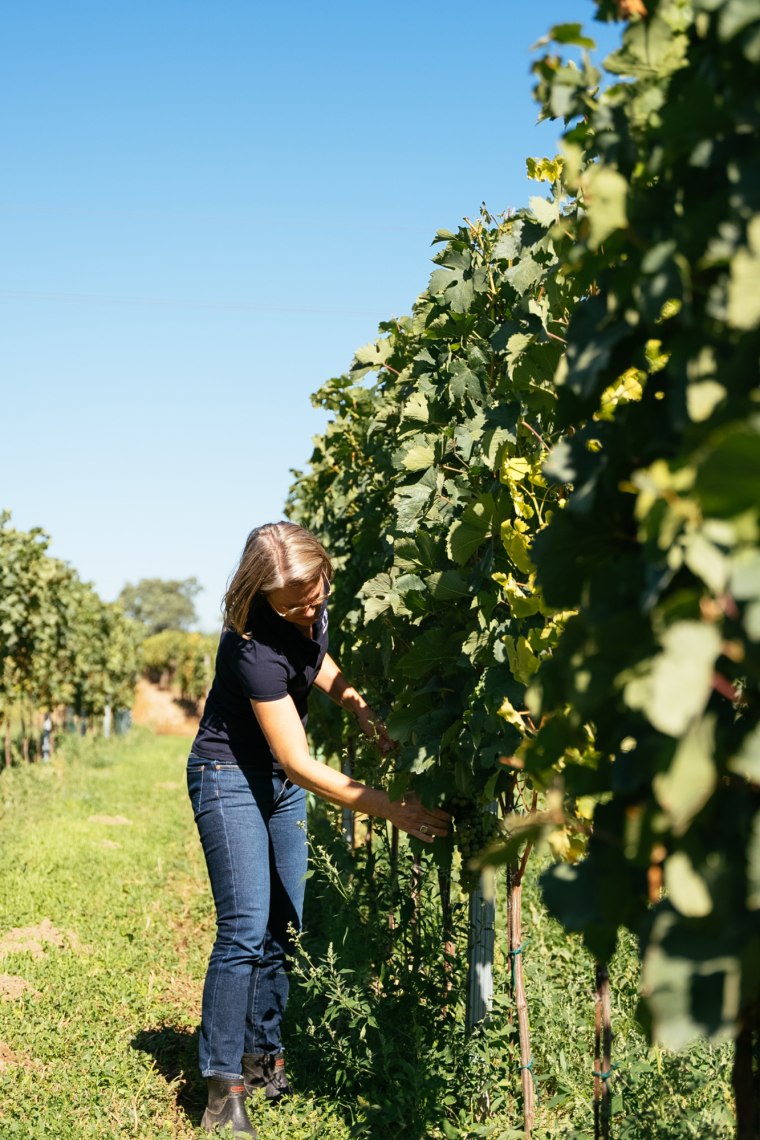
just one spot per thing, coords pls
(294, 611)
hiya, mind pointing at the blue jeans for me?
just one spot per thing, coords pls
(252, 827)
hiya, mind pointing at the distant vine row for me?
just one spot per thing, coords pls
(60, 645)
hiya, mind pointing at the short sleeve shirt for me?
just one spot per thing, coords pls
(274, 659)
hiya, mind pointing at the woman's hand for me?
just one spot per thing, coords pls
(285, 735)
(410, 814)
(373, 728)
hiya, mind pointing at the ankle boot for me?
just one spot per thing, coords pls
(266, 1071)
(226, 1108)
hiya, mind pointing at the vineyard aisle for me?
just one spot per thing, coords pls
(105, 929)
(159, 710)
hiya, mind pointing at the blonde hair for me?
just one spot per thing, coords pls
(275, 555)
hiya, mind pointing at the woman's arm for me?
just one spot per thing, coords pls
(331, 681)
(285, 735)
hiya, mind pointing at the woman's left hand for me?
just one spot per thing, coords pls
(373, 728)
(410, 815)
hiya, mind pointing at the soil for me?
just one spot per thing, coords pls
(162, 711)
(12, 987)
(32, 940)
(8, 1058)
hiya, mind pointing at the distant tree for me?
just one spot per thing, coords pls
(161, 603)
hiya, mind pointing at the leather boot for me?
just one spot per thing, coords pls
(226, 1108)
(266, 1071)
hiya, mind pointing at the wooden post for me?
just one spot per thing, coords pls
(746, 1074)
(24, 738)
(520, 999)
(602, 1054)
(480, 952)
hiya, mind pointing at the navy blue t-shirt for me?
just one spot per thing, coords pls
(275, 659)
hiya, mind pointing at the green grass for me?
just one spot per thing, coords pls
(103, 1043)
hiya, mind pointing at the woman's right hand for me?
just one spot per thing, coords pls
(409, 814)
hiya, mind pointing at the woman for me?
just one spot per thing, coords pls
(248, 774)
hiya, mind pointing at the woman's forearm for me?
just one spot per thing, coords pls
(337, 788)
(331, 681)
(286, 738)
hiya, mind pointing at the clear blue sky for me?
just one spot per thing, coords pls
(206, 208)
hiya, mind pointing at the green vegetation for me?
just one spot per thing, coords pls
(103, 1044)
(542, 494)
(161, 603)
(542, 490)
(182, 661)
(60, 645)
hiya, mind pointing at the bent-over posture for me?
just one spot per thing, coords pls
(248, 774)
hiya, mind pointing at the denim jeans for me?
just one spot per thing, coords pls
(252, 827)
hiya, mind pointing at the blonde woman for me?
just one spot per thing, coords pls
(248, 774)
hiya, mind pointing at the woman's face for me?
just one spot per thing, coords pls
(299, 603)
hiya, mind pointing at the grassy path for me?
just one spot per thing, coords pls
(105, 930)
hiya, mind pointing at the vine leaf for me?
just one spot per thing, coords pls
(675, 691)
(744, 286)
(469, 533)
(686, 787)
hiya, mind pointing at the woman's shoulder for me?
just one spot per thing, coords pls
(252, 641)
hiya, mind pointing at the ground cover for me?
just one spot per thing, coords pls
(104, 933)
(105, 928)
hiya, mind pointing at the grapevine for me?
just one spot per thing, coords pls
(542, 490)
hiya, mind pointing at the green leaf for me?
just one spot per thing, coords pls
(517, 546)
(691, 979)
(516, 346)
(744, 285)
(432, 651)
(652, 49)
(735, 16)
(686, 888)
(448, 586)
(417, 407)
(510, 243)
(522, 601)
(680, 681)
(469, 533)
(572, 35)
(418, 458)
(728, 478)
(379, 596)
(753, 866)
(746, 763)
(605, 194)
(702, 398)
(465, 382)
(745, 575)
(690, 781)
(372, 355)
(545, 210)
(524, 274)
(707, 562)
(410, 505)
(509, 713)
(523, 662)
